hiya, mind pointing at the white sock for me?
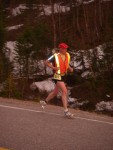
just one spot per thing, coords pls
(65, 110)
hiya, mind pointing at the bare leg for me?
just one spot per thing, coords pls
(62, 87)
(52, 94)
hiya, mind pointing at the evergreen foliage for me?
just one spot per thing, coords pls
(82, 26)
(4, 63)
(30, 47)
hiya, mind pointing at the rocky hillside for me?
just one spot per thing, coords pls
(83, 24)
(39, 25)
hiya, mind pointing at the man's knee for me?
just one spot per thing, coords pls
(64, 92)
(55, 93)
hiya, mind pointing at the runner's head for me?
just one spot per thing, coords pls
(63, 47)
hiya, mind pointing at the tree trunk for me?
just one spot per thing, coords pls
(54, 24)
(59, 23)
(86, 22)
(95, 21)
(100, 14)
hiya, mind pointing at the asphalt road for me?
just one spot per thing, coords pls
(25, 126)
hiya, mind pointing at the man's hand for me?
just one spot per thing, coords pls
(51, 66)
(70, 69)
(56, 68)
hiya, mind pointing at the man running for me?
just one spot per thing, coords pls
(59, 62)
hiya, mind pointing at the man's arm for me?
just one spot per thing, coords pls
(70, 68)
(47, 63)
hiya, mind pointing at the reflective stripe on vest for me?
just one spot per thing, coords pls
(57, 61)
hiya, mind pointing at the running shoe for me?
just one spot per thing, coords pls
(43, 104)
(69, 115)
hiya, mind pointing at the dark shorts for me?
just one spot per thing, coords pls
(63, 79)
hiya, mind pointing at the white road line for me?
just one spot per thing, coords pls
(19, 108)
(50, 113)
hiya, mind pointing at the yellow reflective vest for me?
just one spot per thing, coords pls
(62, 65)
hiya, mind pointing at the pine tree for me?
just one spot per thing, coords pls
(3, 60)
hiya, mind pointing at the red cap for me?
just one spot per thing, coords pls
(63, 45)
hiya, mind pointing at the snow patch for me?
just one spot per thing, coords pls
(86, 74)
(14, 27)
(43, 86)
(10, 52)
(107, 106)
(18, 10)
(47, 9)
